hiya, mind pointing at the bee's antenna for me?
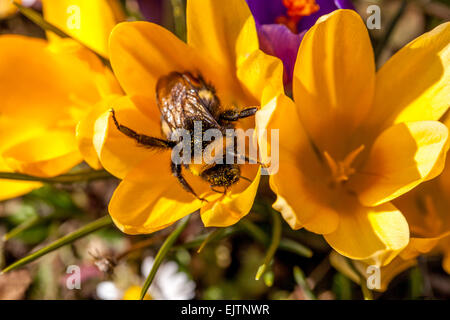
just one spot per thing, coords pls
(240, 156)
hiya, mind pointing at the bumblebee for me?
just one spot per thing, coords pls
(184, 99)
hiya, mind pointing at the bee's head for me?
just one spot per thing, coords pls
(222, 175)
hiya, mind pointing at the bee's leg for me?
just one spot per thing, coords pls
(246, 159)
(232, 115)
(142, 139)
(218, 191)
(176, 171)
(215, 190)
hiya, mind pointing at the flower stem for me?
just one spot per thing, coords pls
(367, 294)
(179, 17)
(22, 227)
(198, 241)
(216, 234)
(285, 243)
(301, 281)
(71, 237)
(165, 248)
(275, 242)
(64, 178)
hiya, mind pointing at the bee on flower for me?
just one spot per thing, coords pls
(218, 78)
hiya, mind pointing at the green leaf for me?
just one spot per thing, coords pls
(367, 294)
(275, 242)
(179, 18)
(211, 237)
(416, 283)
(301, 281)
(285, 244)
(71, 237)
(37, 18)
(165, 248)
(22, 227)
(342, 287)
(295, 247)
(64, 178)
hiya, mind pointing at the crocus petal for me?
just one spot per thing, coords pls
(326, 7)
(419, 246)
(376, 234)
(260, 66)
(150, 198)
(302, 197)
(277, 40)
(153, 10)
(426, 208)
(88, 21)
(265, 12)
(11, 189)
(231, 208)
(55, 98)
(85, 131)
(12, 132)
(7, 8)
(118, 153)
(224, 31)
(444, 247)
(414, 84)
(388, 272)
(142, 52)
(402, 157)
(48, 154)
(334, 80)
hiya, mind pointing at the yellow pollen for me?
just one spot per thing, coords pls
(342, 170)
(297, 9)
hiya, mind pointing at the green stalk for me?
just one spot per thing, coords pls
(295, 247)
(275, 242)
(165, 248)
(71, 237)
(211, 237)
(198, 241)
(22, 227)
(301, 281)
(254, 231)
(285, 243)
(64, 178)
(367, 294)
(179, 17)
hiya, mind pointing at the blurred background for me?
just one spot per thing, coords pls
(114, 265)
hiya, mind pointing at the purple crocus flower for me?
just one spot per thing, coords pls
(282, 24)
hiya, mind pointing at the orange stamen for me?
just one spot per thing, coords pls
(296, 9)
(342, 170)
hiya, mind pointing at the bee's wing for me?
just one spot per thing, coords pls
(180, 105)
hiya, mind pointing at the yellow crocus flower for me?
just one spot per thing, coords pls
(355, 139)
(223, 47)
(7, 8)
(51, 94)
(89, 21)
